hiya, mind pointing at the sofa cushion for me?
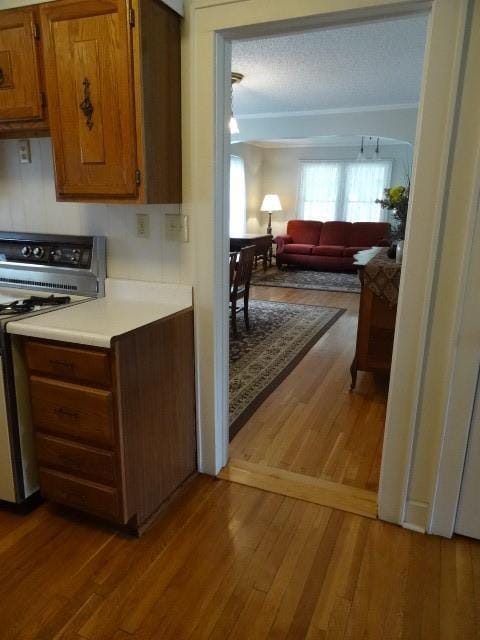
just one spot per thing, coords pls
(328, 250)
(367, 234)
(304, 231)
(304, 249)
(335, 233)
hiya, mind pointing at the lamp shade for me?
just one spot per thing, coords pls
(271, 202)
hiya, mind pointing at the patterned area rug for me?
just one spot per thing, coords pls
(304, 279)
(280, 335)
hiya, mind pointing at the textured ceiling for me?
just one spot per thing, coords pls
(356, 66)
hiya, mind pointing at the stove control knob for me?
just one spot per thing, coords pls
(38, 252)
(26, 251)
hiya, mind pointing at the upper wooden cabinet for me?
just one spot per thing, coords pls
(113, 86)
(22, 102)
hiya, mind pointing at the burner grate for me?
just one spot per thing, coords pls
(27, 305)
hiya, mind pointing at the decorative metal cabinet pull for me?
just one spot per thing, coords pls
(86, 105)
(2, 77)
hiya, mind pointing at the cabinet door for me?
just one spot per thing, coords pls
(88, 62)
(20, 96)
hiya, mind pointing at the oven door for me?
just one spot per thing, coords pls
(8, 470)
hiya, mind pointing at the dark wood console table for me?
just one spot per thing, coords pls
(377, 313)
(263, 247)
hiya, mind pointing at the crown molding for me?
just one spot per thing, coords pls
(302, 143)
(325, 112)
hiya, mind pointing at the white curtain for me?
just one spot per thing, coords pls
(364, 183)
(343, 190)
(238, 197)
(319, 190)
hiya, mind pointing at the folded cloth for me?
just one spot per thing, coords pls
(382, 275)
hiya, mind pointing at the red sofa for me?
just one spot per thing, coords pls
(328, 246)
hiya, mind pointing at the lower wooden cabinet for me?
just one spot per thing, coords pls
(118, 441)
(375, 333)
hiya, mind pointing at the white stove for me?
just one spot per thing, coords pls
(38, 274)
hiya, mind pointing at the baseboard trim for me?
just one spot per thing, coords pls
(302, 487)
(416, 516)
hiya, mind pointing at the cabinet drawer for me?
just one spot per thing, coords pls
(83, 365)
(77, 459)
(81, 494)
(72, 411)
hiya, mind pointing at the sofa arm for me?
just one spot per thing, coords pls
(281, 241)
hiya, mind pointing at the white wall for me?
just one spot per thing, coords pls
(27, 203)
(277, 170)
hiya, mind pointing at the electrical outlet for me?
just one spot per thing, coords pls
(143, 225)
(24, 152)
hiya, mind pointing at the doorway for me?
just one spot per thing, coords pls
(296, 426)
(215, 28)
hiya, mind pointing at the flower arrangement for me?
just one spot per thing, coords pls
(396, 199)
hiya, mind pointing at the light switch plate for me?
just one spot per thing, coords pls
(176, 227)
(24, 152)
(143, 225)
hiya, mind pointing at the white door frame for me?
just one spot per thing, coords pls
(465, 362)
(211, 24)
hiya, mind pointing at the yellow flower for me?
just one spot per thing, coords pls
(395, 194)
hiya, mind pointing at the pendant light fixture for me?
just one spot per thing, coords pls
(236, 78)
(361, 155)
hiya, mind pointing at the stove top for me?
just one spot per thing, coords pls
(33, 303)
(39, 272)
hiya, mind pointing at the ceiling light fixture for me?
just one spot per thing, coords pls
(361, 155)
(236, 78)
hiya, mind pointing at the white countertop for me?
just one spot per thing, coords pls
(127, 305)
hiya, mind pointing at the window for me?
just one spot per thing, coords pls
(364, 183)
(238, 199)
(343, 190)
(319, 190)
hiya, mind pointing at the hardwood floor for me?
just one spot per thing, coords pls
(312, 424)
(296, 485)
(229, 561)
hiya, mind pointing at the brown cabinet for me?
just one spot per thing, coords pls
(119, 440)
(22, 99)
(113, 85)
(376, 326)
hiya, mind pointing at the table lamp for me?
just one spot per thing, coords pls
(271, 203)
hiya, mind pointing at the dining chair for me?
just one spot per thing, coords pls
(233, 262)
(240, 284)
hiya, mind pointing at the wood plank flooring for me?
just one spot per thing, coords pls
(311, 424)
(228, 561)
(296, 485)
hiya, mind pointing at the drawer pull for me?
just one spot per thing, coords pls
(68, 413)
(77, 498)
(86, 105)
(61, 363)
